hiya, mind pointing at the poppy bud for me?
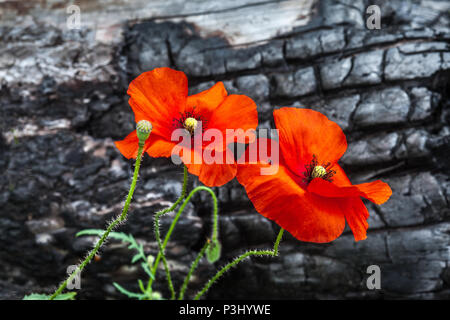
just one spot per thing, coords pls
(156, 295)
(143, 130)
(214, 250)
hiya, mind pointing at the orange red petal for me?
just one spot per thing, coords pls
(159, 147)
(128, 146)
(304, 133)
(155, 146)
(308, 217)
(356, 215)
(235, 112)
(315, 214)
(210, 173)
(158, 96)
(377, 191)
(207, 101)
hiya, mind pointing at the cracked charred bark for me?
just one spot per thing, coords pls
(63, 103)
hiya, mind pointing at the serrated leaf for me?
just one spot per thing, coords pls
(136, 257)
(141, 285)
(120, 236)
(66, 296)
(62, 296)
(147, 270)
(129, 294)
(36, 296)
(90, 232)
(213, 252)
(99, 232)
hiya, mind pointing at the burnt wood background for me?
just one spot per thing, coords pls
(63, 102)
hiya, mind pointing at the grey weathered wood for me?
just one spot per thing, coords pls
(63, 102)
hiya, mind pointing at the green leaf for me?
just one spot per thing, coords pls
(136, 257)
(129, 294)
(120, 236)
(213, 252)
(36, 296)
(90, 232)
(66, 296)
(62, 296)
(147, 270)
(99, 232)
(141, 285)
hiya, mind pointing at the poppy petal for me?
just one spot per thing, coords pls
(216, 175)
(159, 147)
(207, 101)
(128, 146)
(377, 191)
(304, 133)
(356, 215)
(340, 178)
(158, 96)
(211, 173)
(235, 112)
(278, 197)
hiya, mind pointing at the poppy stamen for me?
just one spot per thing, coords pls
(189, 120)
(318, 172)
(190, 124)
(314, 170)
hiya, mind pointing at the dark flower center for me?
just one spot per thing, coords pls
(189, 120)
(314, 170)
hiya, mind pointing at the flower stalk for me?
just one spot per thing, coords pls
(108, 230)
(221, 272)
(143, 130)
(192, 269)
(162, 246)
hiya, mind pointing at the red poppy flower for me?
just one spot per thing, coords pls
(310, 196)
(161, 97)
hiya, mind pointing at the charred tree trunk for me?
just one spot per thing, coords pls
(63, 102)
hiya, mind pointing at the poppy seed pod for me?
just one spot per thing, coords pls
(143, 130)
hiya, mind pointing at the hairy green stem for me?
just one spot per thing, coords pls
(110, 227)
(273, 253)
(172, 226)
(158, 237)
(207, 244)
(163, 257)
(192, 269)
(277, 242)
